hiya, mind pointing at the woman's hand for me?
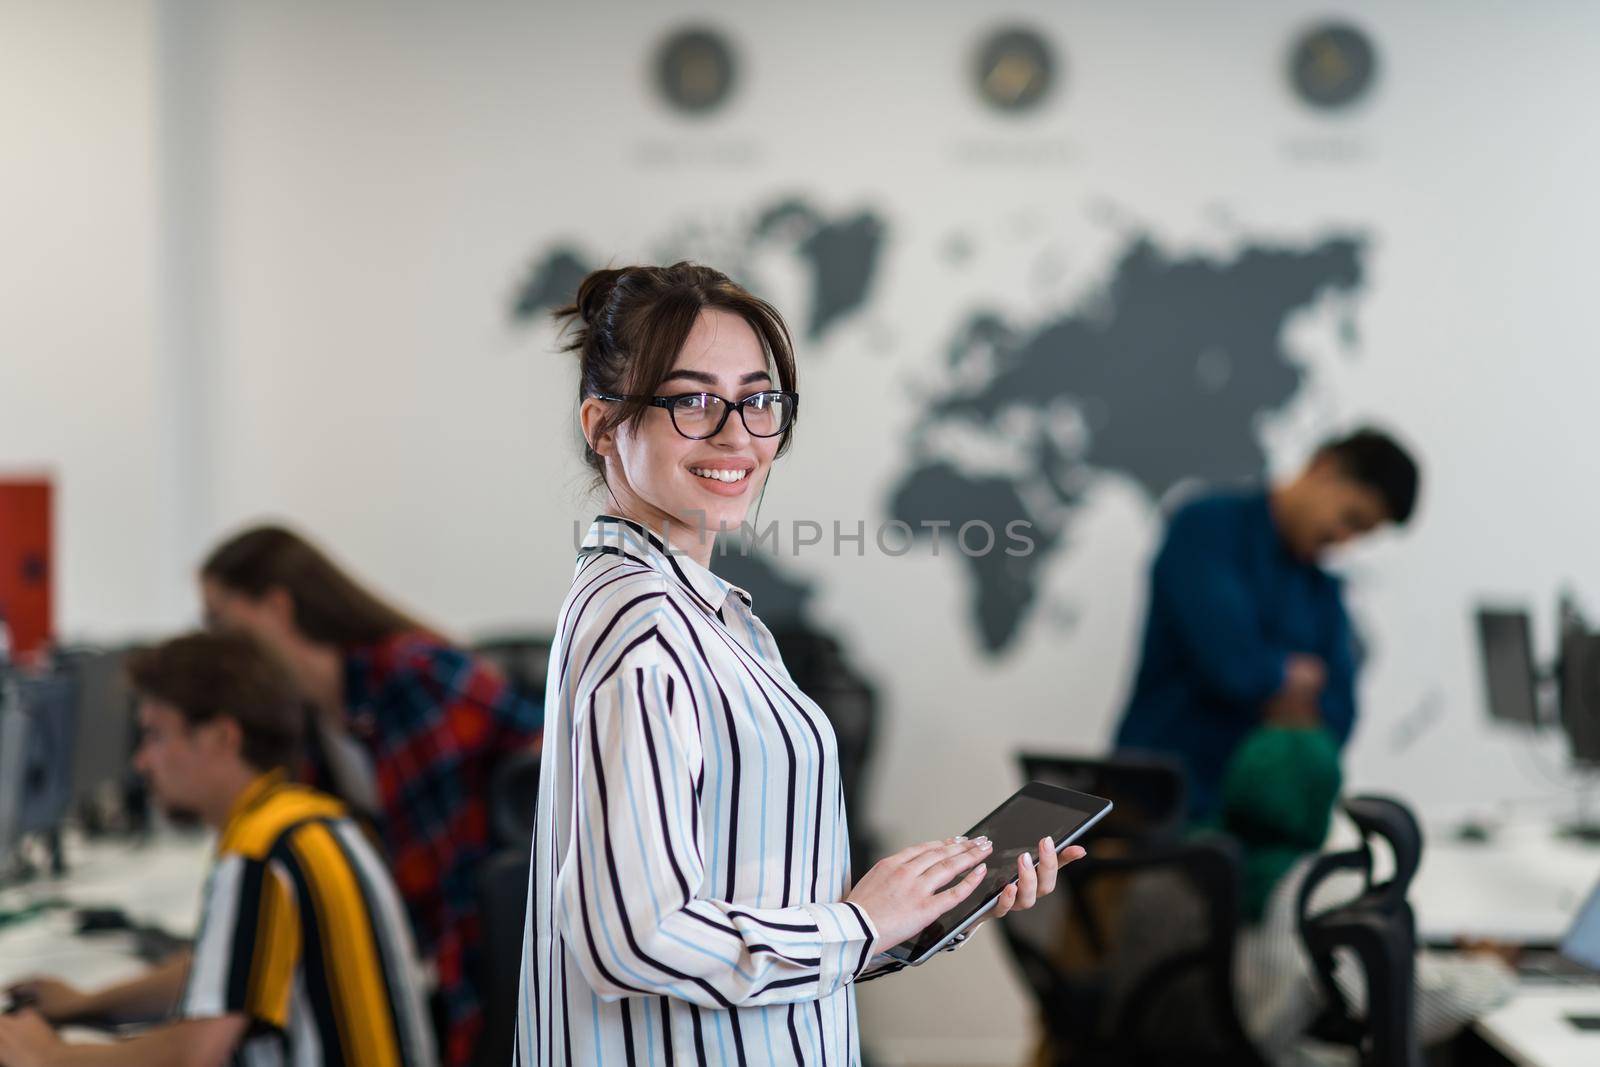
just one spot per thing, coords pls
(1034, 881)
(57, 1001)
(905, 892)
(26, 1040)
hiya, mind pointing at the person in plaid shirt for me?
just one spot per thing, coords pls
(407, 729)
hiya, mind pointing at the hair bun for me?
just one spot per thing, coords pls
(594, 294)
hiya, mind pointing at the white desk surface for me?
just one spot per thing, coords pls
(1523, 885)
(1532, 1030)
(158, 883)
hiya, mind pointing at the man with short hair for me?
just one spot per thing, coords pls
(1244, 626)
(303, 954)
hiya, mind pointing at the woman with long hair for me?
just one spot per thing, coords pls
(407, 729)
(691, 897)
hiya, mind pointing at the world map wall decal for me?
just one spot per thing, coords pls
(1161, 375)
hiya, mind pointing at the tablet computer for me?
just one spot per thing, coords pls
(1034, 811)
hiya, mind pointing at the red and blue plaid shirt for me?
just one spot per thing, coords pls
(436, 721)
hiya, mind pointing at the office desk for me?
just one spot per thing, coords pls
(157, 883)
(1523, 885)
(1533, 1031)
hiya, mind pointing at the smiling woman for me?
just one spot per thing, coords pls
(691, 896)
(686, 340)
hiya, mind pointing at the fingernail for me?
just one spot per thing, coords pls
(1027, 859)
(959, 837)
(1050, 844)
(980, 840)
(985, 844)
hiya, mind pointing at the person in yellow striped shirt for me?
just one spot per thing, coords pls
(303, 954)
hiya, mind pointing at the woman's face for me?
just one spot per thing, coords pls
(268, 619)
(693, 489)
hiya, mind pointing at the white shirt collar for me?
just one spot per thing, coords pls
(629, 538)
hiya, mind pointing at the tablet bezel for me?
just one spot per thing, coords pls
(1069, 799)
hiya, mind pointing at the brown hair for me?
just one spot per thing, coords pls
(206, 676)
(631, 322)
(329, 605)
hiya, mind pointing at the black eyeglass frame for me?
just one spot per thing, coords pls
(728, 407)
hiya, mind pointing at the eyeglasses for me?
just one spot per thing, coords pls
(698, 416)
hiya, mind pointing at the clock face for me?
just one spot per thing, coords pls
(1015, 70)
(694, 70)
(1332, 66)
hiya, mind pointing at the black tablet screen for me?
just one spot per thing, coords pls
(1014, 827)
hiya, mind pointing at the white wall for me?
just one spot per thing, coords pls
(80, 381)
(373, 179)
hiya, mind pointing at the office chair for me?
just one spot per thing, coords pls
(1150, 793)
(1377, 929)
(1131, 960)
(818, 666)
(514, 799)
(503, 899)
(523, 658)
(503, 902)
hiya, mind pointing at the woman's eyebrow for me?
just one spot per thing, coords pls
(710, 379)
(693, 376)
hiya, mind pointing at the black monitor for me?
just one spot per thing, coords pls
(1511, 682)
(38, 728)
(107, 731)
(52, 708)
(1580, 695)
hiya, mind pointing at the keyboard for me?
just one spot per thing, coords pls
(1555, 969)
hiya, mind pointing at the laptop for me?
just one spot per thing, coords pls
(1577, 958)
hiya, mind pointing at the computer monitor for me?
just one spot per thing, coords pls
(1581, 944)
(37, 731)
(51, 706)
(1505, 641)
(107, 730)
(1580, 695)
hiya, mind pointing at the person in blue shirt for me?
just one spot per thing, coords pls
(1244, 625)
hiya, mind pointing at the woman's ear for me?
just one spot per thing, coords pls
(590, 415)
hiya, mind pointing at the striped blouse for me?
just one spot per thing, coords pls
(690, 857)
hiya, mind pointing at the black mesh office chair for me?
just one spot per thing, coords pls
(502, 900)
(818, 666)
(503, 880)
(1150, 793)
(1377, 929)
(523, 658)
(514, 799)
(1131, 961)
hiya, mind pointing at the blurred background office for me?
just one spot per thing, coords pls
(1057, 263)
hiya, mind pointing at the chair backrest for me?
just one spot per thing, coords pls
(1149, 793)
(1131, 961)
(819, 667)
(514, 799)
(503, 902)
(1376, 928)
(1388, 820)
(523, 658)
